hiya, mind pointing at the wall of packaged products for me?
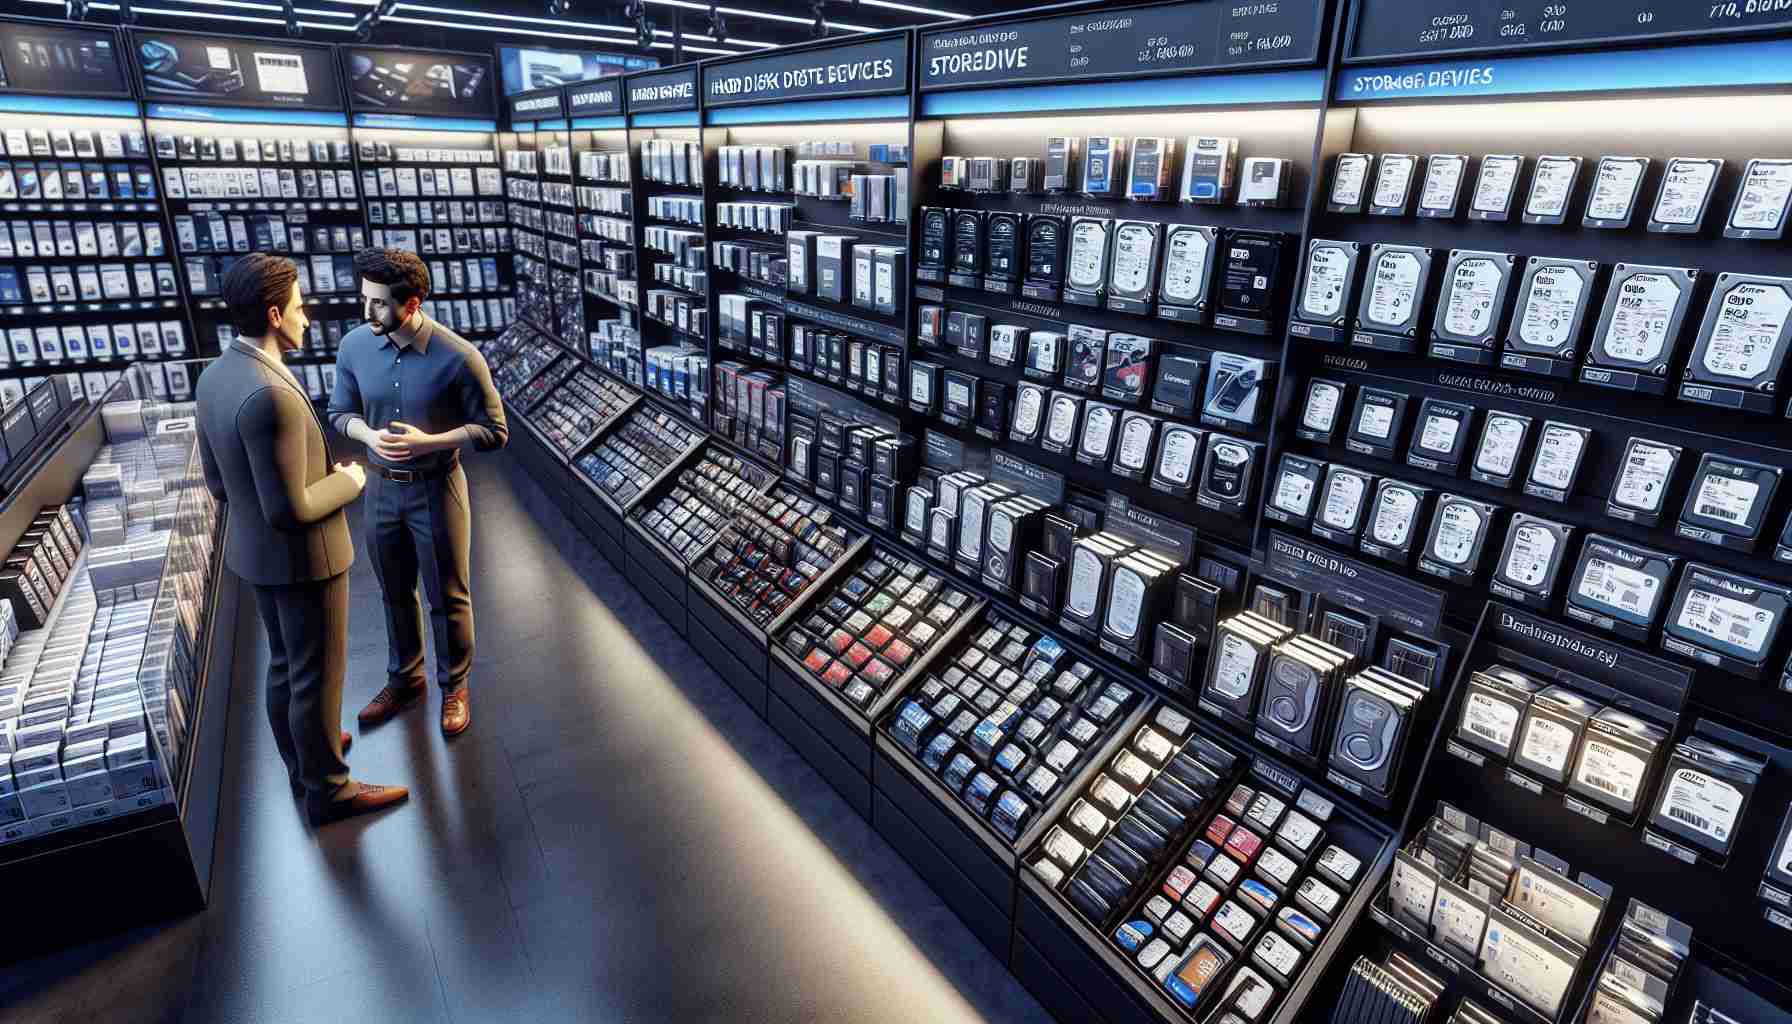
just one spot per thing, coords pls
(1260, 585)
(1275, 510)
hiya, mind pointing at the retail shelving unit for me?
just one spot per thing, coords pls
(159, 814)
(254, 167)
(431, 178)
(87, 279)
(605, 201)
(668, 180)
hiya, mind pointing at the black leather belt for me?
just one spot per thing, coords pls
(408, 476)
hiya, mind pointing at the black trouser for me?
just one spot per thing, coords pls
(307, 627)
(423, 528)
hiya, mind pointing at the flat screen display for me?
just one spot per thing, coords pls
(532, 67)
(239, 72)
(60, 59)
(422, 83)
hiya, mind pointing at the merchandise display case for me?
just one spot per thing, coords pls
(112, 719)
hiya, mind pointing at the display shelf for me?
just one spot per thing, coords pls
(162, 816)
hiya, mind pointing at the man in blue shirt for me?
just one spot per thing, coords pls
(415, 393)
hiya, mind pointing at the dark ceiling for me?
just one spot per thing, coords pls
(578, 24)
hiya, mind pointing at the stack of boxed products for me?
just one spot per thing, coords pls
(74, 739)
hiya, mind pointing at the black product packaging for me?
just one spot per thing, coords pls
(1705, 794)
(1228, 474)
(1530, 560)
(1457, 540)
(1377, 423)
(917, 510)
(1014, 529)
(1640, 488)
(1058, 536)
(880, 503)
(1002, 258)
(924, 387)
(893, 457)
(1396, 520)
(1619, 587)
(1091, 570)
(1740, 355)
(1235, 666)
(1726, 620)
(1173, 657)
(1374, 721)
(1727, 501)
(992, 408)
(935, 241)
(1330, 280)
(1141, 585)
(1344, 503)
(1181, 381)
(1493, 704)
(1441, 438)
(1045, 237)
(1550, 734)
(1293, 490)
(967, 249)
(1042, 584)
(942, 533)
(853, 481)
(1505, 440)
(1554, 297)
(1127, 367)
(1297, 690)
(1250, 279)
(827, 473)
(1637, 342)
(1086, 355)
(959, 401)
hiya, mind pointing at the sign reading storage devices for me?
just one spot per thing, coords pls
(858, 69)
(1404, 28)
(1152, 40)
(664, 90)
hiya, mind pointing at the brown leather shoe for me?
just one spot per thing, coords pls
(391, 699)
(353, 799)
(456, 714)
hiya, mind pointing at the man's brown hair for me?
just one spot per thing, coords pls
(252, 285)
(398, 269)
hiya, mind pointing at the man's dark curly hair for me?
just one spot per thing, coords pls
(398, 269)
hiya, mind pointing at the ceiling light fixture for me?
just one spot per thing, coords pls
(819, 29)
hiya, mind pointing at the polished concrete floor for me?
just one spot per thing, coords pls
(618, 838)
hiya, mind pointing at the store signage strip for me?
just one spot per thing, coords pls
(873, 108)
(1767, 62)
(662, 91)
(858, 69)
(1386, 29)
(1266, 88)
(1123, 43)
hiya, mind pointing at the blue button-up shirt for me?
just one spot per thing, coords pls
(436, 383)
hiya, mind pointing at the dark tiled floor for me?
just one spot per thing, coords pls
(617, 838)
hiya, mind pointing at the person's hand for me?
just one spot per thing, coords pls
(354, 471)
(402, 442)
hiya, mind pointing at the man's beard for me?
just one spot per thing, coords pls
(386, 326)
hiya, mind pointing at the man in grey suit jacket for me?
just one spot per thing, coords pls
(265, 454)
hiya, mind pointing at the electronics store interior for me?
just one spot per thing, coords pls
(1195, 512)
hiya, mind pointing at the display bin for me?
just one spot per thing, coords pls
(656, 573)
(166, 833)
(936, 846)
